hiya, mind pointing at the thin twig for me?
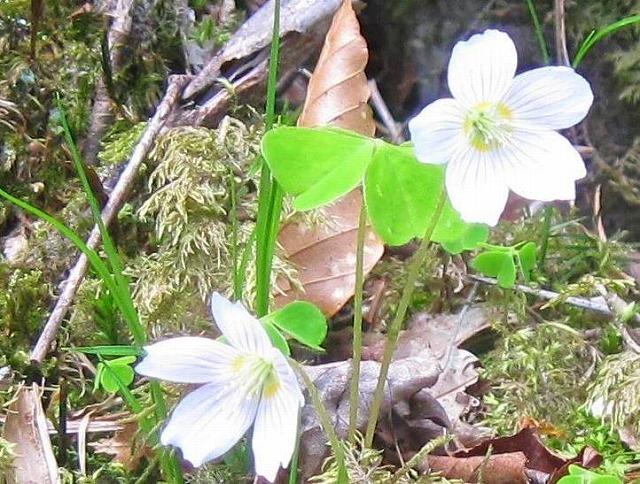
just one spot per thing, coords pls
(395, 133)
(579, 302)
(116, 200)
(562, 53)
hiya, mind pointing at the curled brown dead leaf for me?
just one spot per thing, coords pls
(325, 256)
(338, 92)
(426, 392)
(337, 95)
(515, 458)
(26, 428)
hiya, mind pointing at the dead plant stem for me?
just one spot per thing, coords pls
(325, 421)
(396, 324)
(357, 326)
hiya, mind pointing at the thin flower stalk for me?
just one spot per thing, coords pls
(396, 324)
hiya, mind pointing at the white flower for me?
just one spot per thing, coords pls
(246, 381)
(497, 133)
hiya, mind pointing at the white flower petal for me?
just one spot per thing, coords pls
(552, 97)
(482, 68)
(209, 421)
(437, 131)
(476, 186)
(276, 423)
(542, 165)
(188, 360)
(240, 328)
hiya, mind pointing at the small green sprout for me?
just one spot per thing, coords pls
(110, 371)
(503, 263)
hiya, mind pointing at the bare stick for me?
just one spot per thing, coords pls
(562, 53)
(116, 200)
(383, 111)
(579, 302)
(102, 110)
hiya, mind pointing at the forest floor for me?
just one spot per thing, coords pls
(161, 104)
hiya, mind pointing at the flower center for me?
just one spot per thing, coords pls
(257, 375)
(488, 126)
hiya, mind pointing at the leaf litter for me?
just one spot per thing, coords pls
(430, 389)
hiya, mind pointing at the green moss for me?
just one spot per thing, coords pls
(190, 205)
(538, 372)
(614, 394)
(7, 455)
(119, 144)
(24, 300)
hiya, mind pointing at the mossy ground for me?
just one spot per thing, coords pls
(177, 239)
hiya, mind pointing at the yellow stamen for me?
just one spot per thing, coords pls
(488, 125)
(271, 385)
(258, 375)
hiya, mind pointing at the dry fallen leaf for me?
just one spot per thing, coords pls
(122, 447)
(509, 459)
(494, 469)
(325, 256)
(426, 395)
(406, 377)
(337, 95)
(26, 428)
(338, 92)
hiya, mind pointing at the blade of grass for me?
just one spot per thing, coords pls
(270, 195)
(123, 293)
(238, 279)
(115, 350)
(539, 32)
(596, 35)
(94, 259)
(172, 469)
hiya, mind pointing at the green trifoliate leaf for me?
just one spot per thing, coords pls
(110, 371)
(498, 264)
(301, 320)
(317, 165)
(402, 196)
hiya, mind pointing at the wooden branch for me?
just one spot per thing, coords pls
(579, 302)
(562, 54)
(102, 110)
(254, 35)
(120, 192)
(246, 83)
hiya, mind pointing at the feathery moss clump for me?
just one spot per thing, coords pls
(538, 372)
(615, 393)
(197, 174)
